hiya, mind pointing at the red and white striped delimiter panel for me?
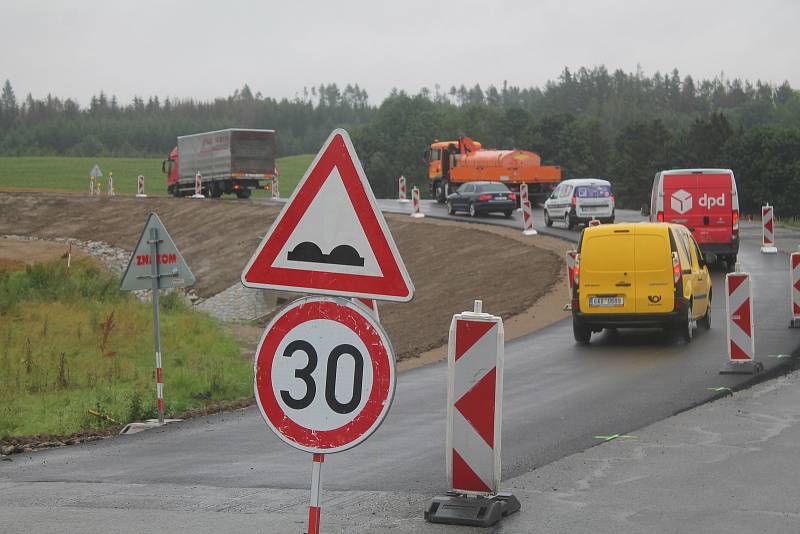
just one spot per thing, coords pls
(740, 320)
(474, 403)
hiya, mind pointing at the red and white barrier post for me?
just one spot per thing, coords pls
(474, 419)
(571, 255)
(740, 323)
(316, 484)
(276, 190)
(110, 191)
(768, 230)
(794, 289)
(198, 186)
(401, 189)
(415, 211)
(527, 219)
(140, 187)
(523, 194)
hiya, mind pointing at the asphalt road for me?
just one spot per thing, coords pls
(558, 396)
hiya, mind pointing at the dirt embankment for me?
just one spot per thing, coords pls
(450, 263)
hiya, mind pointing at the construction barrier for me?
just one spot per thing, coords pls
(276, 190)
(110, 191)
(415, 211)
(198, 186)
(401, 189)
(739, 322)
(527, 219)
(794, 289)
(92, 182)
(140, 187)
(474, 420)
(523, 194)
(768, 230)
(571, 256)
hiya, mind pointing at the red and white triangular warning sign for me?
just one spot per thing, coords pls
(331, 238)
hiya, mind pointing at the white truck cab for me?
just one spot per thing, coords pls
(580, 200)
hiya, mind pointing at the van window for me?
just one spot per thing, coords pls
(683, 249)
(610, 252)
(593, 191)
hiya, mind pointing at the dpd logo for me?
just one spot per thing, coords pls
(681, 201)
(709, 202)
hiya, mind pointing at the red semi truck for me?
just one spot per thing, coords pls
(233, 161)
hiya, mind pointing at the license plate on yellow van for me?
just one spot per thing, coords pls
(607, 302)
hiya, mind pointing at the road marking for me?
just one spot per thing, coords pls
(614, 436)
(720, 389)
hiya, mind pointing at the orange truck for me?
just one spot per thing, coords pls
(452, 163)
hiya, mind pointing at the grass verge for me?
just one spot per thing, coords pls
(71, 343)
(71, 173)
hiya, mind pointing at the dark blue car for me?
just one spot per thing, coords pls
(477, 198)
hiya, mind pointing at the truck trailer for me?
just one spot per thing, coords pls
(452, 163)
(233, 161)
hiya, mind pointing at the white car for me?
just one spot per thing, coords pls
(579, 201)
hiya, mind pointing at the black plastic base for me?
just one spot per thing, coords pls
(741, 368)
(457, 509)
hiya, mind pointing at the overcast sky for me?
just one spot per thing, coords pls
(204, 49)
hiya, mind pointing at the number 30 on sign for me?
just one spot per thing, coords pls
(324, 374)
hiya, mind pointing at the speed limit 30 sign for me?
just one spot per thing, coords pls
(324, 374)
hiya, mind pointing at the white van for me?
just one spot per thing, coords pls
(579, 201)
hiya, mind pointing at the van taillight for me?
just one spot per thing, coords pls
(735, 219)
(574, 202)
(676, 268)
(576, 271)
(660, 216)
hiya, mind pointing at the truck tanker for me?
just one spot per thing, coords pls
(452, 163)
(233, 161)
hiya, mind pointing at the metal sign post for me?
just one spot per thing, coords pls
(156, 264)
(154, 241)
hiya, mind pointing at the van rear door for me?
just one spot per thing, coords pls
(654, 284)
(715, 219)
(607, 276)
(701, 202)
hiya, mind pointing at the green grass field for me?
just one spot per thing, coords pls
(72, 174)
(71, 342)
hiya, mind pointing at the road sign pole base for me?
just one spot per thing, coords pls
(141, 196)
(769, 250)
(795, 322)
(746, 367)
(198, 196)
(530, 232)
(403, 200)
(457, 509)
(418, 215)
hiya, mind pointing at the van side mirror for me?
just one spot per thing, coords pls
(645, 210)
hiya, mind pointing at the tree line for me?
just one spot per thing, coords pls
(622, 126)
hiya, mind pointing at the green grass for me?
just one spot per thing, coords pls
(72, 342)
(72, 174)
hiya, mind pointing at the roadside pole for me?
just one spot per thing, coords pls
(156, 264)
(154, 241)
